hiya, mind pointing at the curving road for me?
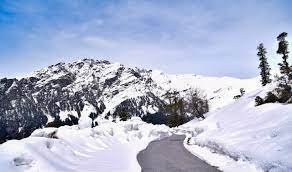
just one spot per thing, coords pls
(170, 155)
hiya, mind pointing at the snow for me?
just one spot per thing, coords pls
(64, 114)
(110, 147)
(13, 85)
(219, 90)
(260, 135)
(235, 136)
(85, 121)
(225, 163)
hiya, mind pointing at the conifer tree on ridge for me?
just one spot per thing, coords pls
(264, 65)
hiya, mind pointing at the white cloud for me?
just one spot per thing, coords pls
(99, 42)
(202, 37)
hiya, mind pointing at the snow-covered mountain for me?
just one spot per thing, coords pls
(72, 92)
(235, 136)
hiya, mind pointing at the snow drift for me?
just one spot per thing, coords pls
(245, 132)
(110, 147)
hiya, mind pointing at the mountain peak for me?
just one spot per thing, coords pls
(72, 93)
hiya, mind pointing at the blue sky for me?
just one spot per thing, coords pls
(212, 37)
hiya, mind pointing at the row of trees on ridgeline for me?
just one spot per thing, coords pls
(282, 93)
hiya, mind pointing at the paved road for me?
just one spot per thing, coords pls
(170, 155)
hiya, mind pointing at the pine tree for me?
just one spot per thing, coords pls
(264, 66)
(283, 50)
(197, 103)
(124, 115)
(175, 108)
(93, 116)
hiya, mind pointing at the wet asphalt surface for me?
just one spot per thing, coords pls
(170, 155)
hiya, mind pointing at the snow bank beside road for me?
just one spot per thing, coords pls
(108, 147)
(261, 135)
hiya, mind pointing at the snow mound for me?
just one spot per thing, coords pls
(110, 147)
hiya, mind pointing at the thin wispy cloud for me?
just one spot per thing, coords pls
(201, 37)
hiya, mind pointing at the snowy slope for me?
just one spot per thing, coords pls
(261, 135)
(109, 147)
(219, 90)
